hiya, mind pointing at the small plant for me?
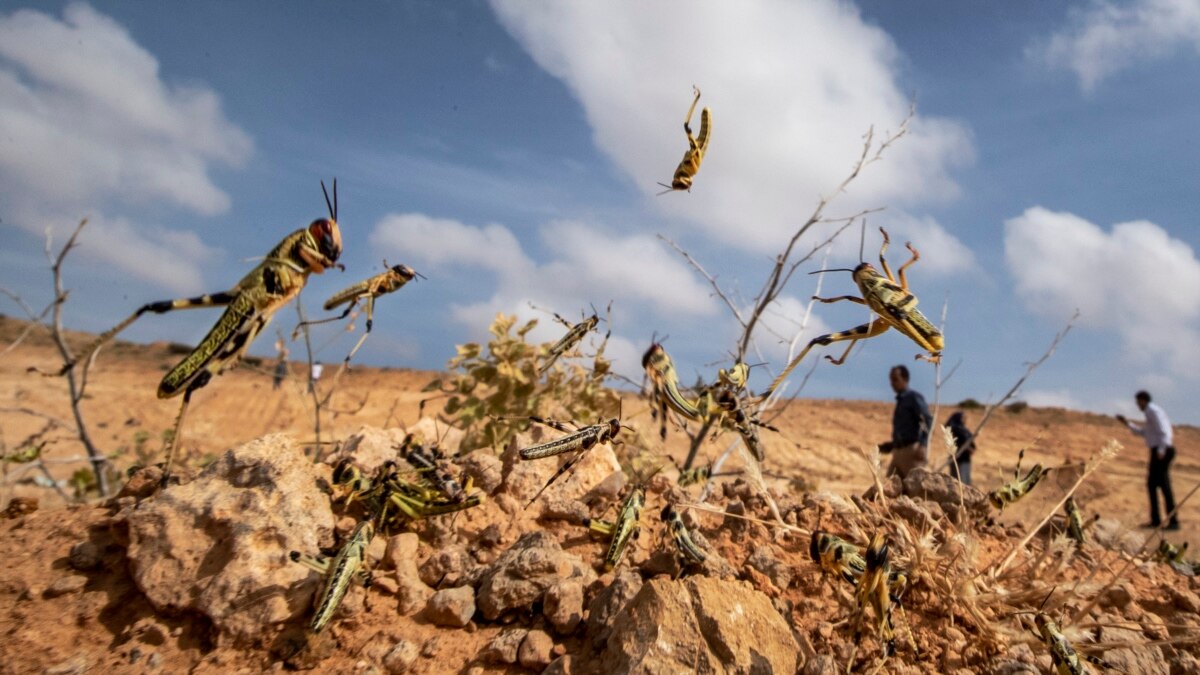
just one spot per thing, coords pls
(1016, 407)
(970, 404)
(493, 393)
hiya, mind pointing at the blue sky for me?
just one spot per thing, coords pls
(509, 151)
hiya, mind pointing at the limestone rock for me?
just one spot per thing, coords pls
(699, 625)
(563, 606)
(944, 490)
(523, 478)
(451, 566)
(522, 575)
(610, 601)
(208, 545)
(535, 650)
(451, 606)
(401, 657)
(400, 547)
(1136, 660)
(503, 648)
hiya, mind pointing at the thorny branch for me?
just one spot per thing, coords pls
(76, 388)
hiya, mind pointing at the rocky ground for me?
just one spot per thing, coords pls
(198, 577)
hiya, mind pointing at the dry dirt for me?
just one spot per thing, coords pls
(102, 624)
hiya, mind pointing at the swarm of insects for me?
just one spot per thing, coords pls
(249, 306)
(697, 146)
(393, 501)
(1018, 487)
(895, 306)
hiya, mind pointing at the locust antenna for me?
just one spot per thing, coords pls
(669, 189)
(335, 209)
(329, 205)
(836, 269)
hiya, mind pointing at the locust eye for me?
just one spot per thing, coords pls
(328, 236)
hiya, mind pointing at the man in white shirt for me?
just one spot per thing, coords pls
(1156, 431)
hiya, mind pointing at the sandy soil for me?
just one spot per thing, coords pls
(815, 450)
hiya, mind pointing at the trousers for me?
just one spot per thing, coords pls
(1159, 478)
(905, 458)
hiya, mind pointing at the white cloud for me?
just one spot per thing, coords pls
(86, 122)
(1136, 281)
(792, 87)
(1052, 398)
(586, 267)
(1109, 36)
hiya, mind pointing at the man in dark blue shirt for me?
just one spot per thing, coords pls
(911, 422)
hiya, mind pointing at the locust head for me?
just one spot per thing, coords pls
(325, 234)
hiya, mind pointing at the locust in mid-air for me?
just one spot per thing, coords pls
(249, 306)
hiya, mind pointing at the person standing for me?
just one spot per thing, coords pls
(281, 363)
(315, 375)
(910, 426)
(1156, 431)
(964, 444)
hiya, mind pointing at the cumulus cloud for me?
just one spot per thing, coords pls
(1052, 398)
(1109, 36)
(87, 123)
(585, 266)
(1135, 281)
(792, 86)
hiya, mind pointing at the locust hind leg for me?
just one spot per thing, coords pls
(302, 324)
(160, 307)
(863, 332)
(346, 362)
(916, 255)
(883, 265)
(199, 382)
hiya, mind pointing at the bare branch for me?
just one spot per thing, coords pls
(76, 388)
(710, 278)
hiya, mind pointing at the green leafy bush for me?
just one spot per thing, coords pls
(491, 393)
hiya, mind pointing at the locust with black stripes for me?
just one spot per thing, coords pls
(249, 306)
(697, 146)
(578, 441)
(892, 303)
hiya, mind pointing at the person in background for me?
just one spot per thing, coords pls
(281, 364)
(964, 444)
(910, 426)
(1157, 433)
(316, 375)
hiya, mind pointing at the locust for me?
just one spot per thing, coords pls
(1173, 556)
(575, 334)
(688, 553)
(249, 306)
(1063, 656)
(392, 279)
(350, 565)
(1075, 522)
(893, 305)
(1066, 660)
(392, 501)
(625, 529)
(837, 556)
(1018, 487)
(665, 387)
(879, 587)
(697, 146)
(699, 475)
(426, 459)
(578, 441)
